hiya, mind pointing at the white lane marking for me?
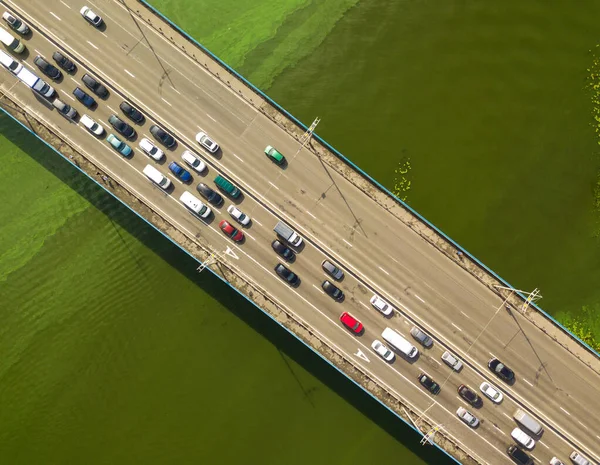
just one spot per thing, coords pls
(128, 73)
(254, 220)
(238, 157)
(250, 236)
(274, 185)
(318, 289)
(55, 16)
(92, 45)
(174, 179)
(535, 458)
(166, 102)
(456, 327)
(359, 353)
(364, 305)
(311, 214)
(507, 416)
(419, 298)
(37, 51)
(465, 314)
(564, 411)
(175, 90)
(61, 1)
(68, 95)
(383, 270)
(395, 260)
(527, 382)
(499, 430)
(211, 117)
(111, 109)
(74, 80)
(436, 361)
(540, 442)
(582, 424)
(493, 356)
(347, 242)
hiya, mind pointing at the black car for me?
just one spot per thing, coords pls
(95, 86)
(162, 135)
(84, 98)
(210, 195)
(519, 456)
(501, 370)
(469, 395)
(121, 126)
(287, 275)
(47, 68)
(282, 250)
(132, 113)
(429, 384)
(332, 290)
(64, 62)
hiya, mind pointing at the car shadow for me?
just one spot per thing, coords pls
(218, 154)
(235, 200)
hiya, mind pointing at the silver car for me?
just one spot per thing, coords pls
(91, 125)
(421, 337)
(467, 417)
(193, 161)
(238, 215)
(151, 150)
(452, 361)
(206, 142)
(382, 351)
(381, 305)
(66, 110)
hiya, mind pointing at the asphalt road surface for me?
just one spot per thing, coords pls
(378, 253)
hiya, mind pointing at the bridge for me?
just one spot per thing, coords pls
(382, 246)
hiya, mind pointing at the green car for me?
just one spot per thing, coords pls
(274, 155)
(119, 145)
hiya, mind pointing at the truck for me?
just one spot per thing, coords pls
(35, 83)
(288, 234)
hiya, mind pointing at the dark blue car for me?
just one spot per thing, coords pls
(180, 172)
(84, 98)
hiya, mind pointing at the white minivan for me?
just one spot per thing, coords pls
(399, 343)
(11, 42)
(194, 204)
(157, 177)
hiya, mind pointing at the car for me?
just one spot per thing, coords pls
(381, 305)
(274, 155)
(467, 417)
(119, 145)
(381, 350)
(579, 459)
(522, 438)
(207, 142)
(91, 125)
(332, 290)
(94, 85)
(518, 456)
(84, 98)
(121, 127)
(230, 231)
(452, 361)
(64, 62)
(283, 250)
(429, 383)
(287, 275)
(180, 171)
(132, 113)
(90, 16)
(332, 270)
(151, 150)
(47, 68)
(501, 370)
(556, 461)
(15, 23)
(238, 215)
(351, 322)
(193, 161)
(491, 392)
(422, 337)
(10, 63)
(162, 136)
(469, 395)
(195, 205)
(209, 194)
(66, 110)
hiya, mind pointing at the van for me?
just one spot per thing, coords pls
(10, 63)
(227, 187)
(194, 204)
(35, 83)
(399, 343)
(11, 42)
(579, 459)
(524, 419)
(157, 177)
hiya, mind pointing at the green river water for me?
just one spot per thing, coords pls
(487, 102)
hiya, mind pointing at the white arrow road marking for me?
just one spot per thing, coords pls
(359, 353)
(231, 253)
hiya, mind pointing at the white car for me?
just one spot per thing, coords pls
(467, 417)
(381, 305)
(522, 438)
(151, 149)
(195, 205)
(491, 392)
(193, 161)
(90, 16)
(555, 461)
(207, 142)
(382, 351)
(238, 215)
(452, 361)
(91, 125)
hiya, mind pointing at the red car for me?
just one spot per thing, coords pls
(351, 323)
(235, 234)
